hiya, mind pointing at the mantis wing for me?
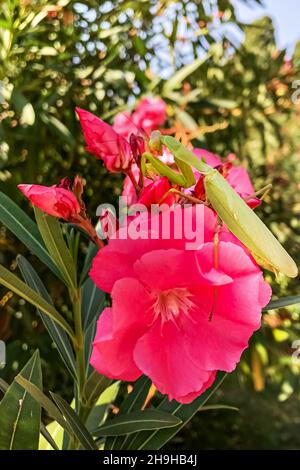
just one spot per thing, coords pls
(235, 213)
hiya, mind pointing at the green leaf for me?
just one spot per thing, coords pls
(12, 282)
(25, 230)
(20, 414)
(137, 421)
(178, 77)
(91, 253)
(44, 431)
(95, 386)
(44, 401)
(57, 434)
(283, 302)
(92, 302)
(133, 401)
(50, 229)
(79, 429)
(158, 438)
(89, 336)
(57, 334)
(58, 129)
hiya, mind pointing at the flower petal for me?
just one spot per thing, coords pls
(161, 355)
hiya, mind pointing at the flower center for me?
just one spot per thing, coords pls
(170, 303)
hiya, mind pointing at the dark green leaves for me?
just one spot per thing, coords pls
(74, 422)
(20, 414)
(12, 282)
(92, 302)
(25, 230)
(159, 437)
(57, 333)
(137, 421)
(283, 302)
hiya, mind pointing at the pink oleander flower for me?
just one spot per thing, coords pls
(149, 114)
(54, 200)
(104, 142)
(176, 316)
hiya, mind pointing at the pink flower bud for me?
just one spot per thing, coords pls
(104, 142)
(55, 201)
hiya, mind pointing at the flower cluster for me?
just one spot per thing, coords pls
(178, 315)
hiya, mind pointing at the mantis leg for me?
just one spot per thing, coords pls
(264, 191)
(188, 197)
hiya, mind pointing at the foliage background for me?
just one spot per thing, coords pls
(103, 56)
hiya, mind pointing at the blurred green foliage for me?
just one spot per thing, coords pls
(103, 56)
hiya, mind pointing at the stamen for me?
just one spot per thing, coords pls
(171, 304)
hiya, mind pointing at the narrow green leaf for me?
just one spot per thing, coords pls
(79, 429)
(91, 253)
(158, 438)
(137, 421)
(12, 282)
(283, 302)
(45, 433)
(36, 393)
(133, 401)
(53, 238)
(56, 432)
(95, 386)
(47, 437)
(92, 302)
(25, 230)
(178, 77)
(20, 414)
(57, 334)
(219, 407)
(89, 336)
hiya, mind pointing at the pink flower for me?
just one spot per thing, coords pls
(104, 142)
(124, 124)
(154, 193)
(175, 315)
(53, 200)
(148, 116)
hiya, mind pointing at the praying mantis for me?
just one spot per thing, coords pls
(231, 209)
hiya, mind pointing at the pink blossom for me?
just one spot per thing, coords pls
(53, 200)
(149, 114)
(104, 142)
(176, 316)
(155, 193)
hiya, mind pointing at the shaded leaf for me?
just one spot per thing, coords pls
(137, 421)
(157, 439)
(283, 302)
(20, 414)
(25, 230)
(57, 334)
(92, 302)
(12, 282)
(79, 429)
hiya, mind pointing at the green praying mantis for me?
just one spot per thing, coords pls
(231, 209)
